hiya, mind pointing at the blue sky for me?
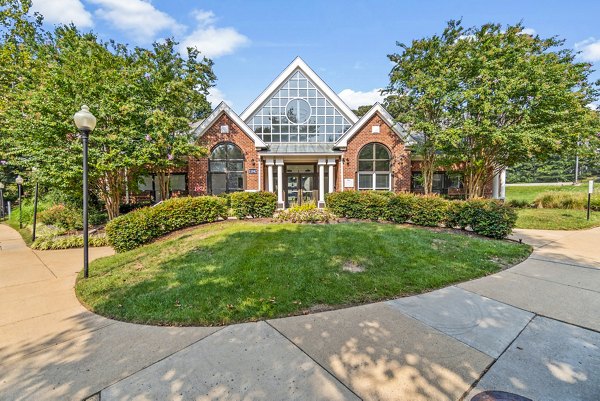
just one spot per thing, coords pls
(345, 42)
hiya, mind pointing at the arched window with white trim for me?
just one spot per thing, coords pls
(374, 168)
(226, 169)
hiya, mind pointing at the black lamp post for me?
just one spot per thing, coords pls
(19, 181)
(1, 200)
(85, 122)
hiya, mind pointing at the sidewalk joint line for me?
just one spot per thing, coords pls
(487, 369)
(565, 263)
(45, 265)
(157, 361)
(312, 359)
(554, 282)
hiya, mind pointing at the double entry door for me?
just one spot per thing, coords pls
(301, 185)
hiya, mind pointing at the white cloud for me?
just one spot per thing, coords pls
(136, 17)
(589, 48)
(64, 12)
(593, 106)
(211, 41)
(357, 98)
(529, 31)
(216, 96)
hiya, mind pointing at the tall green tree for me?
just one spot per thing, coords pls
(507, 96)
(420, 90)
(173, 93)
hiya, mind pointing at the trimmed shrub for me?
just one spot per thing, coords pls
(429, 210)
(400, 207)
(61, 216)
(71, 241)
(143, 225)
(308, 213)
(227, 198)
(359, 205)
(490, 218)
(253, 204)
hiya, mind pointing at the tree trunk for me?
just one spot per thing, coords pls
(109, 189)
(163, 184)
(427, 170)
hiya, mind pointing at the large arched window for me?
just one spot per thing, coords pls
(374, 172)
(226, 169)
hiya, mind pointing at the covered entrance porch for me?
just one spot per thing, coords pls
(298, 179)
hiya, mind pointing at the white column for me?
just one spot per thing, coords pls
(495, 186)
(270, 176)
(321, 183)
(280, 202)
(503, 184)
(331, 165)
(260, 188)
(341, 188)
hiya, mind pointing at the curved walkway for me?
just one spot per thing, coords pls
(533, 330)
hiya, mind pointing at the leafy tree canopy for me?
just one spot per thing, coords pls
(488, 97)
(144, 101)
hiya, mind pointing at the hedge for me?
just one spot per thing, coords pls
(369, 205)
(487, 217)
(143, 225)
(429, 210)
(253, 204)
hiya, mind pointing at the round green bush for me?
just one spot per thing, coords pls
(253, 204)
(429, 210)
(400, 208)
(143, 225)
(368, 205)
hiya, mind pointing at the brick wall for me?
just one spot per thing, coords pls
(198, 168)
(400, 164)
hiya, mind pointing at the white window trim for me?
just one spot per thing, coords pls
(374, 180)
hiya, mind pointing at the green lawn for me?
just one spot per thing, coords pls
(556, 219)
(530, 192)
(243, 271)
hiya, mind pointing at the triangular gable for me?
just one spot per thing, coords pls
(223, 108)
(383, 113)
(299, 65)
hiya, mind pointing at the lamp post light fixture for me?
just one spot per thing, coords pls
(85, 122)
(19, 181)
(1, 200)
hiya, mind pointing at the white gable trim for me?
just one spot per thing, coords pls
(383, 113)
(223, 108)
(299, 64)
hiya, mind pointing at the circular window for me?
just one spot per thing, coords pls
(298, 111)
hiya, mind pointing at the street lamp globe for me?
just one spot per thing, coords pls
(19, 180)
(84, 120)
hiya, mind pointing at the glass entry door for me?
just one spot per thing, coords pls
(300, 189)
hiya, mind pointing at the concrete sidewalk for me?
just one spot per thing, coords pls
(531, 330)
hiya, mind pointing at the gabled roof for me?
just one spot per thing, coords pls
(384, 114)
(221, 109)
(299, 64)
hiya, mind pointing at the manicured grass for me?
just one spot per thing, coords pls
(242, 271)
(530, 192)
(556, 219)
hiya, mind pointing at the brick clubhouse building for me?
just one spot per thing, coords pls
(299, 140)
